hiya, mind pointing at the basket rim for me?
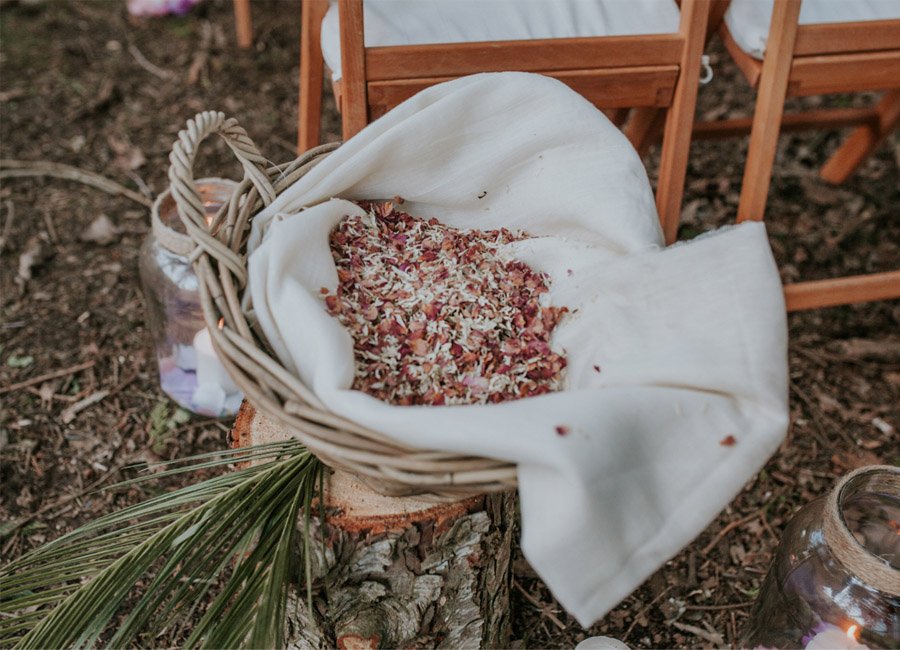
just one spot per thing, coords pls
(220, 258)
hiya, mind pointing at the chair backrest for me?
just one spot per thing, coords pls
(654, 70)
(826, 57)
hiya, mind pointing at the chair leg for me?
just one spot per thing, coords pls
(768, 111)
(312, 70)
(863, 141)
(354, 99)
(645, 128)
(242, 23)
(617, 115)
(680, 118)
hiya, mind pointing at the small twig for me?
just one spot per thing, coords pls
(734, 638)
(215, 422)
(545, 611)
(25, 168)
(643, 611)
(51, 229)
(57, 396)
(102, 99)
(716, 639)
(727, 529)
(69, 414)
(142, 186)
(7, 225)
(716, 608)
(819, 419)
(823, 358)
(142, 61)
(768, 528)
(49, 375)
(201, 56)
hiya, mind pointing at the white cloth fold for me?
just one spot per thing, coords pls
(690, 341)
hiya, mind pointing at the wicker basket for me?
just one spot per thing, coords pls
(220, 262)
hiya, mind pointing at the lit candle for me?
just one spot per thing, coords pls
(214, 384)
(834, 638)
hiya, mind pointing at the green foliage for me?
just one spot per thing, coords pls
(162, 424)
(15, 361)
(146, 570)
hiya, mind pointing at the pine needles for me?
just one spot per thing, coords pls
(149, 568)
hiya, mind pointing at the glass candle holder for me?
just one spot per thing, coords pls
(835, 580)
(189, 370)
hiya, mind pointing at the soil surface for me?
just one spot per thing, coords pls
(83, 84)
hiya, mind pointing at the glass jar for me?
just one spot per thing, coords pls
(189, 370)
(835, 580)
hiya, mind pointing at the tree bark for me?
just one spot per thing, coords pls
(397, 572)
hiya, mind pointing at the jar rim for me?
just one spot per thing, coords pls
(172, 236)
(872, 569)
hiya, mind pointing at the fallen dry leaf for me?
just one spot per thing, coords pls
(848, 461)
(34, 254)
(101, 231)
(128, 156)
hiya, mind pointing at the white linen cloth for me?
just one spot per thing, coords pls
(690, 340)
(748, 20)
(416, 22)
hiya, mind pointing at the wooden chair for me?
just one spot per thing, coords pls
(810, 60)
(613, 72)
(800, 60)
(243, 26)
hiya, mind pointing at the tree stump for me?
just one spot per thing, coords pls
(398, 572)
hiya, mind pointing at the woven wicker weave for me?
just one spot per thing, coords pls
(220, 262)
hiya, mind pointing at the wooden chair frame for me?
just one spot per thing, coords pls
(660, 71)
(810, 60)
(243, 25)
(806, 60)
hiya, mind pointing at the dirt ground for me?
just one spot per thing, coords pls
(84, 85)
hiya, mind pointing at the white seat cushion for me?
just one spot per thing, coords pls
(748, 20)
(416, 22)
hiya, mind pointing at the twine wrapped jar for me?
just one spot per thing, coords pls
(835, 581)
(189, 370)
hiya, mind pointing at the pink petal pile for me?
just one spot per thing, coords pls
(438, 315)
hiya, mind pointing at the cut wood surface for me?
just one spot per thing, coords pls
(391, 572)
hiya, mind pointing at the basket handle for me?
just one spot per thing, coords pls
(184, 190)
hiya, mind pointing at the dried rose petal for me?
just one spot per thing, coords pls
(437, 315)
